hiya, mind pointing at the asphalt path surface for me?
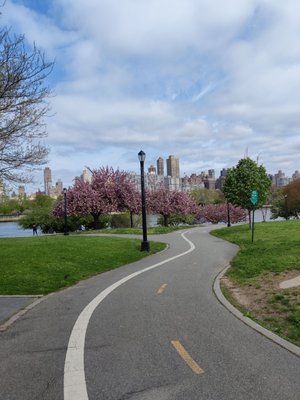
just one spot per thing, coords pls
(158, 334)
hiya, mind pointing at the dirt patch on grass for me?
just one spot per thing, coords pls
(276, 309)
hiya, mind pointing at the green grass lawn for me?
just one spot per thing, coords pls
(276, 248)
(157, 230)
(44, 264)
(257, 270)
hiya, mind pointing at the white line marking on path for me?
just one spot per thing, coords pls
(74, 374)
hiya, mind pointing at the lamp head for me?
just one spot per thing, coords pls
(142, 156)
(65, 190)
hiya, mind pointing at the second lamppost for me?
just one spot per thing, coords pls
(286, 207)
(66, 232)
(228, 214)
(145, 246)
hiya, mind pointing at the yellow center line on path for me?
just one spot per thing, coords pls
(162, 288)
(187, 358)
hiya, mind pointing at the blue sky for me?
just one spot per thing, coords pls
(193, 78)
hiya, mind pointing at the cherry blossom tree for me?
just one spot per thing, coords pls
(167, 202)
(109, 191)
(216, 213)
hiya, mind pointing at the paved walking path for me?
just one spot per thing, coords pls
(149, 330)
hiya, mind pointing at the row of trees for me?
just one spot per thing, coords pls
(112, 191)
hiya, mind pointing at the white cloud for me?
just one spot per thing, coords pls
(192, 78)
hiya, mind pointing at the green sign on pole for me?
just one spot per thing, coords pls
(254, 197)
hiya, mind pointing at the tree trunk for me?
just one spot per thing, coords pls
(166, 220)
(131, 219)
(96, 223)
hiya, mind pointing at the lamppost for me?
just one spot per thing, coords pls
(228, 214)
(286, 208)
(66, 232)
(145, 246)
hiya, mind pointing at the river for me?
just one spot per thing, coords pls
(12, 229)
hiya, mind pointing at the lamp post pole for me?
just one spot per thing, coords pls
(145, 246)
(66, 232)
(286, 208)
(228, 214)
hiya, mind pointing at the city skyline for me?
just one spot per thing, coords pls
(279, 178)
(207, 86)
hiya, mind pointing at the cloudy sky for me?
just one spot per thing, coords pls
(205, 80)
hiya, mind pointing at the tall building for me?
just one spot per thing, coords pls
(173, 167)
(223, 172)
(281, 179)
(296, 175)
(160, 166)
(21, 191)
(86, 176)
(152, 170)
(59, 187)
(47, 180)
(211, 173)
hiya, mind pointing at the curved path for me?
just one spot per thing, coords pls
(150, 330)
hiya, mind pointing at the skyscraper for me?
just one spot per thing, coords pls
(173, 167)
(47, 180)
(59, 187)
(152, 170)
(86, 176)
(160, 166)
(21, 191)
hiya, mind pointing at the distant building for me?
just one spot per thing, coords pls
(281, 179)
(211, 173)
(172, 183)
(59, 187)
(49, 189)
(173, 167)
(21, 191)
(209, 183)
(223, 171)
(86, 176)
(152, 170)
(160, 166)
(47, 181)
(296, 175)
(220, 181)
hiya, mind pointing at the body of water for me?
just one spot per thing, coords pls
(12, 229)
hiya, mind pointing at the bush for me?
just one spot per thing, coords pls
(216, 213)
(176, 219)
(122, 220)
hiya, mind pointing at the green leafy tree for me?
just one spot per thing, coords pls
(40, 214)
(278, 203)
(241, 180)
(291, 195)
(14, 206)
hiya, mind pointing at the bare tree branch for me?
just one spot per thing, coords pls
(23, 107)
